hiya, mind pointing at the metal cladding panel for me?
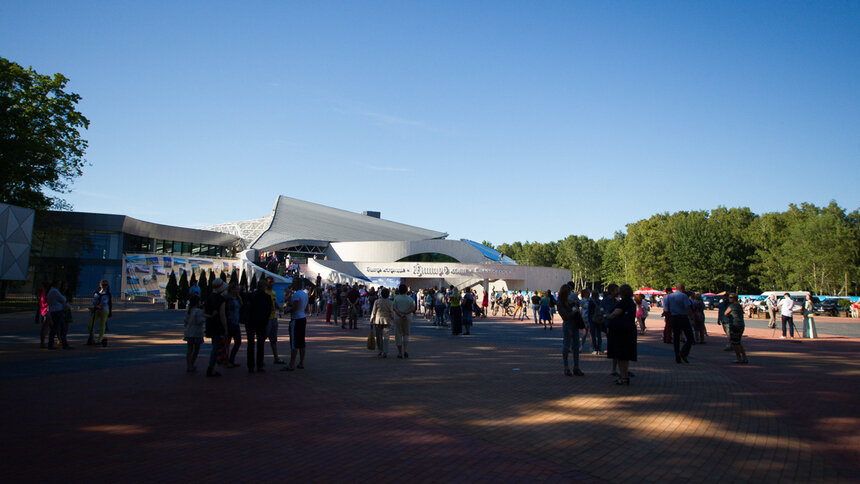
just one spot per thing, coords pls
(16, 236)
(299, 220)
(103, 222)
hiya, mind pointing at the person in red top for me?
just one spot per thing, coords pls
(44, 314)
(485, 303)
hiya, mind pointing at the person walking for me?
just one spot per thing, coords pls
(594, 320)
(403, 306)
(621, 334)
(194, 321)
(535, 300)
(642, 308)
(724, 319)
(679, 308)
(607, 308)
(735, 314)
(569, 310)
(234, 330)
(258, 309)
(544, 315)
(381, 318)
(353, 298)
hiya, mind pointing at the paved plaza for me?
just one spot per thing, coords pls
(490, 407)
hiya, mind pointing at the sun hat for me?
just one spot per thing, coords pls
(218, 286)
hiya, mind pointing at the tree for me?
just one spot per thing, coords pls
(203, 285)
(182, 294)
(211, 278)
(223, 276)
(234, 277)
(40, 137)
(171, 289)
(243, 281)
(253, 286)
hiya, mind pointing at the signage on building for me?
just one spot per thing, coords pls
(406, 269)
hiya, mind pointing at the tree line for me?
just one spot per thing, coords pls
(805, 248)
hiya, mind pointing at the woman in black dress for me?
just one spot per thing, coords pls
(622, 334)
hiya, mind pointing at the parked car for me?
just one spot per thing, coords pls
(711, 302)
(831, 306)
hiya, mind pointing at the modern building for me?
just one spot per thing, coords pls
(84, 248)
(340, 246)
(343, 246)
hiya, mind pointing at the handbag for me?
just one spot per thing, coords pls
(371, 341)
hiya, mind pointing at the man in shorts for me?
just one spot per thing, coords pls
(298, 323)
(272, 328)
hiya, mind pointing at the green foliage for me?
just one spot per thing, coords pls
(727, 249)
(203, 285)
(171, 289)
(182, 293)
(40, 141)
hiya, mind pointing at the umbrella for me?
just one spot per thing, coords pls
(649, 292)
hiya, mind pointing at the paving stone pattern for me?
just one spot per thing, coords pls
(490, 407)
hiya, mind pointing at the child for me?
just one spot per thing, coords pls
(193, 332)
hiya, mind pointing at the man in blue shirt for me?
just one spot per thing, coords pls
(678, 305)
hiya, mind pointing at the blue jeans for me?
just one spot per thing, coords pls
(535, 309)
(570, 343)
(440, 315)
(596, 337)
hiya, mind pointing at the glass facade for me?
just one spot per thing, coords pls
(429, 257)
(190, 248)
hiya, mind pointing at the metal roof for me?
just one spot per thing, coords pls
(297, 220)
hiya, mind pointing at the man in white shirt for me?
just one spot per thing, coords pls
(786, 309)
(298, 323)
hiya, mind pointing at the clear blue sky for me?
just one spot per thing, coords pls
(490, 120)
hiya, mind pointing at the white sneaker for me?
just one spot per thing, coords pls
(782, 337)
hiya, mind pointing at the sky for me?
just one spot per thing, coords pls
(491, 120)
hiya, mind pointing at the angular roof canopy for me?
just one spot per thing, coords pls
(306, 222)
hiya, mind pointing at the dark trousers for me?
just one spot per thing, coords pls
(596, 337)
(681, 324)
(256, 345)
(456, 321)
(234, 335)
(58, 330)
(787, 322)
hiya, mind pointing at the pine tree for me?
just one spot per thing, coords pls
(243, 281)
(234, 277)
(171, 289)
(204, 286)
(253, 286)
(183, 290)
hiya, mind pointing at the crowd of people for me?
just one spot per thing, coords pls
(606, 324)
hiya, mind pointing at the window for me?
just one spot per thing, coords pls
(428, 257)
(133, 243)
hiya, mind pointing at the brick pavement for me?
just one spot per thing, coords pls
(489, 407)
